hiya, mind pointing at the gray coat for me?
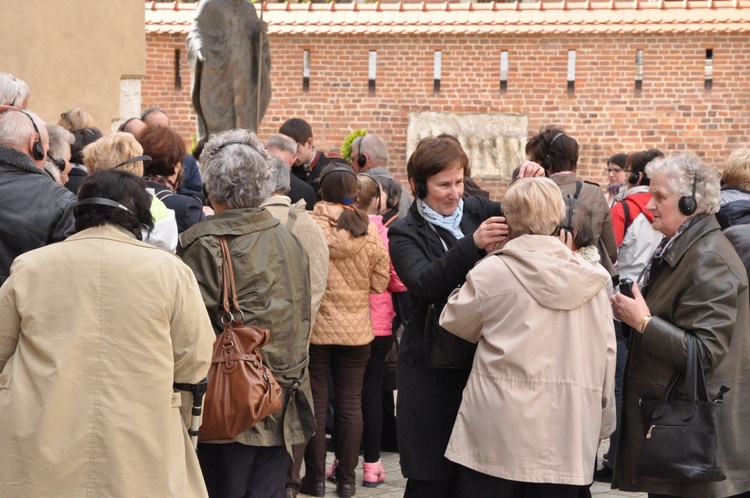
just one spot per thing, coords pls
(699, 287)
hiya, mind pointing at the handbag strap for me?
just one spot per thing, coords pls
(695, 381)
(229, 288)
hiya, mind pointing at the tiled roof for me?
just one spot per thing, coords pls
(633, 16)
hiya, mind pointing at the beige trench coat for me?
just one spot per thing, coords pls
(541, 390)
(93, 332)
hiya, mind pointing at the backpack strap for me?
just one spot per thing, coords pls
(626, 214)
(163, 194)
(579, 186)
(292, 218)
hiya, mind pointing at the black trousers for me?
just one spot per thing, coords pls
(235, 470)
(372, 397)
(471, 484)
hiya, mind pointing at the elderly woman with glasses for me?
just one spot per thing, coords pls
(273, 285)
(695, 285)
(122, 151)
(540, 395)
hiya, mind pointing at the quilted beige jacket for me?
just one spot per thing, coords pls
(358, 266)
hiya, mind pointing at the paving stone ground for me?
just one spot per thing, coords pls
(394, 484)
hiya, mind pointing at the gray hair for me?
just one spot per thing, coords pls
(16, 129)
(281, 176)
(236, 175)
(582, 219)
(60, 141)
(8, 88)
(22, 91)
(280, 141)
(679, 172)
(374, 147)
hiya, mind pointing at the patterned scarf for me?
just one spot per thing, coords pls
(664, 246)
(450, 223)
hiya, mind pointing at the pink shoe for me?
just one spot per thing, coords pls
(372, 474)
(331, 473)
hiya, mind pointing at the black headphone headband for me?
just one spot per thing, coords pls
(560, 134)
(343, 169)
(102, 201)
(233, 142)
(37, 148)
(132, 160)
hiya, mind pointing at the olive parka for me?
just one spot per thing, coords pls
(699, 287)
(273, 287)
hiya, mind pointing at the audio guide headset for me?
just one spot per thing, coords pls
(334, 170)
(232, 142)
(687, 204)
(547, 158)
(634, 178)
(37, 148)
(361, 160)
(100, 201)
(377, 187)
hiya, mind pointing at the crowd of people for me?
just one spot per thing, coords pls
(517, 353)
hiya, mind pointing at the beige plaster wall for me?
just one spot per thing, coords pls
(74, 53)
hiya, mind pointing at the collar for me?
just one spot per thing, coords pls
(691, 234)
(564, 177)
(17, 159)
(230, 222)
(277, 200)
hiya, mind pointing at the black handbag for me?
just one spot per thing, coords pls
(680, 434)
(443, 349)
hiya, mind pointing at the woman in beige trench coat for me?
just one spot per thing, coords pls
(93, 333)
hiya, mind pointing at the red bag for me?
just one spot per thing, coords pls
(241, 389)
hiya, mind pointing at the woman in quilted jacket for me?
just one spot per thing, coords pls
(342, 334)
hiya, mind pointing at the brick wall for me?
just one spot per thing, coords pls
(673, 112)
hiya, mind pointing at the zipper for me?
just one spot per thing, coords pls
(665, 427)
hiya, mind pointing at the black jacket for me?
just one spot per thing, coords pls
(36, 211)
(428, 398)
(299, 189)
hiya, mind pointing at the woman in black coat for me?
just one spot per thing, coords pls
(433, 248)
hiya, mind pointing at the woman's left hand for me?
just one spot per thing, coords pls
(627, 310)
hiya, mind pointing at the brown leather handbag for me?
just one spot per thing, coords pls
(241, 389)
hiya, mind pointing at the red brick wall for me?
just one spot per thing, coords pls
(673, 112)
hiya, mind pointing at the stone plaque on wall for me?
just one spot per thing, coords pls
(494, 142)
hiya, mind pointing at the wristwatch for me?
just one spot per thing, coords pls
(642, 324)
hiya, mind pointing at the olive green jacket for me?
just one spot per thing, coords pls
(273, 287)
(699, 288)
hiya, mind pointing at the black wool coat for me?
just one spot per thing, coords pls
(429, 398)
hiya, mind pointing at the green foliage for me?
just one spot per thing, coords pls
(346, 147)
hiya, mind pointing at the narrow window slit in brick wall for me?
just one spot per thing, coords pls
(571, 72)
(503, 71)
(372, 71)
(639, 70)
(305, 70)
(438, 71)
(709, 81)
(177, 77)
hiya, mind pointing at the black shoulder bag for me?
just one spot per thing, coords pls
(680, 435)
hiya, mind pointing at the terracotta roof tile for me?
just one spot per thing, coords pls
(551, 16)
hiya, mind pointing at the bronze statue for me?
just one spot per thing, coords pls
(230, 60)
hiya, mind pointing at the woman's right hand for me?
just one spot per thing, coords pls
(491, 232)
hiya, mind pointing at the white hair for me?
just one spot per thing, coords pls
(237, 175)
(282, 142)
(60, 141)
(374, 147)
(281, 176)
(16, 128)
(680, 171)
(8, 88)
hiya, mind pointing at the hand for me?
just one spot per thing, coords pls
(627, 310)
(208, 211)
(566, 238)
(530, 169)
(491, 232)
(4, 108)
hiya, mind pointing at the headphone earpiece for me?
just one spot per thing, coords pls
(37, 148)
(361, 160)
(420, 189)
(687, 204)
(634, 178)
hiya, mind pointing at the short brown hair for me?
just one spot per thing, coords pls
(433, 156)
(166, 148)
(553, 150)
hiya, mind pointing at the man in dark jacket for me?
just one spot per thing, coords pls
(36, 210)
(310, 162)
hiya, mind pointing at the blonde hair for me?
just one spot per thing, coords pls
(737, 170)
(368, 190)
(533, 206)
(109, 151)
(76, 119)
